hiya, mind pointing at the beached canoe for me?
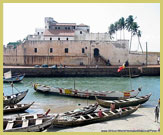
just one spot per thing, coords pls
(28, 125)
(16, 108)
(125, 102)
(84, 110)
(88, 94)
(14, 78)
(14, 99)
(68, 121)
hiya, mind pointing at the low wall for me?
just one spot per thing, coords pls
(84, 72)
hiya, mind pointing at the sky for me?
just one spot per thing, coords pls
(21, 19)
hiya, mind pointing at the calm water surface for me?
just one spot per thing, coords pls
(148, 84)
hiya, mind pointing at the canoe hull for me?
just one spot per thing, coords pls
(18, 108)
(14, 79)
(14, 99)
(72, 123)
(124, 103)
(32, 128)
(108, 95)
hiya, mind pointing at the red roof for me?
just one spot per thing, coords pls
(69, 33)
(64, 24)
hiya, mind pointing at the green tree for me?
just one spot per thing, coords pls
(122, 26)
(111, 30)
(139, 35)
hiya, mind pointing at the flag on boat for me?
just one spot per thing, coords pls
(123, 66)
(7, 75)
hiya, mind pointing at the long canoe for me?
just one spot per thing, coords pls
(125, 102)
(67, 121)
(16, 108)
(87, 94)
(14, 98)
(14, 78)
(84, 110)
(27, 125)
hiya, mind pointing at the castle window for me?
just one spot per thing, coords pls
(73, 27)
(35, 50)
(56, 28)
(68, 28)
(65, 28)
(87, 30)
(58, 38)
(83, 50)
(80, 32)
(85, 47)
(51, 50)
(38, 33)
(66, 50)
(66, 38)
(50, 38)
(59, 28)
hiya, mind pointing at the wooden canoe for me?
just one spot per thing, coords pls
(84, 110)
(68, 121)
(87, 94)
(16, 108)
(14, 78)
(27, 125)
(124, 102)
(14, 99)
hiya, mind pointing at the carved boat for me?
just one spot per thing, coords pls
(124, 102)
(16, 108)
(87, 94)
(84, 110)
(14, 99)
(68, 121)
(27, 125)
(14, 78)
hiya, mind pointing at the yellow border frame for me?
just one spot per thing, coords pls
(67, 1)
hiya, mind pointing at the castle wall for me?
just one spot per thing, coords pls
(53, 52)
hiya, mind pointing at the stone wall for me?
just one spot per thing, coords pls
(78, 52)
(84, 72)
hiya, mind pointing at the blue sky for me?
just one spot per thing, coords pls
(22, 19)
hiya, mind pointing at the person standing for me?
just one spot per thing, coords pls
(156, 113)
(100, 113)
(159, 103)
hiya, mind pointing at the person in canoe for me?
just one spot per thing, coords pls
(100, 113)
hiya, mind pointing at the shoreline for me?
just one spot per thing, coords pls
(83, 71)
(140, 121)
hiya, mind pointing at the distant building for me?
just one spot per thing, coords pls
(71, 44)
(65, 31)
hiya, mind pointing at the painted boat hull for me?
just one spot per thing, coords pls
(108, 95)
(14, 99)
(32, 128)
(14, 79)
(124, 103)
(79, 122)
(16, 108)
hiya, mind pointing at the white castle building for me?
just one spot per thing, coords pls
(65, 31)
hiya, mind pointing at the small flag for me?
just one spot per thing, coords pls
(123, 66)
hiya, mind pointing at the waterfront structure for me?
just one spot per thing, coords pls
(72, 44)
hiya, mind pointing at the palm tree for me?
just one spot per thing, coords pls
(139, 35)
(129, 21)
(122, 25)
(134, 29)
(116, 27)
(111, 30)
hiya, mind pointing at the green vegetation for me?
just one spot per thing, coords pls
(128, 24)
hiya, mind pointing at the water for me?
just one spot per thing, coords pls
(148, 84)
